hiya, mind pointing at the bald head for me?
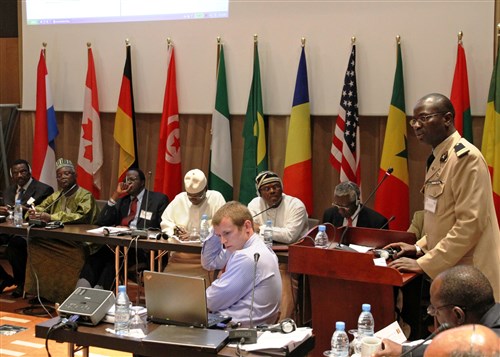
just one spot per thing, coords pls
(466, 340)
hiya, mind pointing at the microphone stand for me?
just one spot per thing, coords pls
(267, 209)
(444, 326)
(247, 335)
(341, 241)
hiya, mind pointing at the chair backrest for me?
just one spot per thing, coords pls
(312, 222)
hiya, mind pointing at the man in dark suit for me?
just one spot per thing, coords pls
(348, 211)
(130, 205)
(23, 188)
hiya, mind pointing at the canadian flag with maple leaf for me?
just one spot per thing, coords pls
(90, 153)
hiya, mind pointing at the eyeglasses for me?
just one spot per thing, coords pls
(268, 188)
(349, 205)
(422, 119)
(433, 310)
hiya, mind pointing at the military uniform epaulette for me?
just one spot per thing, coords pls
(460, 150)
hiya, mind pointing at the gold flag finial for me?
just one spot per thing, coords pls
(398, 39)
(89, 44)
(44, 44)
(169, 42)
(219, 40)
(353, 40)
(303, 42)
(460, 36)
(127, 42)
(255, 38)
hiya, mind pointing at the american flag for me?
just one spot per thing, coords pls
(344, 154)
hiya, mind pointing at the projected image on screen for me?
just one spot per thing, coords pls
(49, 12)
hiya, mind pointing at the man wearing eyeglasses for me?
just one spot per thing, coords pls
(289, 220)
(460, 222)
(460, 295)
(347, 210)
(182, 218)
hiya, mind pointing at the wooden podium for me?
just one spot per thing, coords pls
(341, 281)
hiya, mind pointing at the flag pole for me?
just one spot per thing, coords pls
(398, 39)
(460, 36)
(353, 40)
(303, 42)
(169, 42)
(255, 38)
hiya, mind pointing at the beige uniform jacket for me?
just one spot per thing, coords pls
(462, 228)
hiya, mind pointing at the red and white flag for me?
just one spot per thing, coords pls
(168, 164)
(90, 157)
(44, 157)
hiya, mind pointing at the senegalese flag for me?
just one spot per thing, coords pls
(297, 176)
(220, 177)
(491, 133)
(392, 198)
(124, 132)
(254, 136)
(460, 96)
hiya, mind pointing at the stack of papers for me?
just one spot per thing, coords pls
(279, 342)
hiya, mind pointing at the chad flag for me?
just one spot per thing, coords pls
(491, 133)
(297, 176)
(393, 195)
(124, 132)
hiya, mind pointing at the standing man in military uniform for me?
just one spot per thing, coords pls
(460, 223)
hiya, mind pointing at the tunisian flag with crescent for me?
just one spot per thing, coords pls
(168, 164)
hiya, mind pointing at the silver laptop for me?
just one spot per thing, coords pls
(179, 300)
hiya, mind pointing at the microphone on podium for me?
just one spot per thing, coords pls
(444, 326)
(275, 205)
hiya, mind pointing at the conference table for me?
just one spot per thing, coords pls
(157, 247)
(97, 336)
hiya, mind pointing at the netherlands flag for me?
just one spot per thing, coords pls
(44, 158)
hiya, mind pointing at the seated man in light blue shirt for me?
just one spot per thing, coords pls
(244, 257)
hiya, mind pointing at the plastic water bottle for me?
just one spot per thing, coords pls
(268, 234)
(321, 240)
(366, 326)
(18, 214)
(340, 341)
(204, 228)
(122, 311)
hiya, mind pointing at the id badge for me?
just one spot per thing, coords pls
(430, 204)
(146, 215)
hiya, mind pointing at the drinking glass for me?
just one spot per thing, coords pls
(138, 325)
(355, 345)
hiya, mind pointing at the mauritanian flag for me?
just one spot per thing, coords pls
(124, 132)
(90, 157)
(491, 133)
(460, 95)
(220, 177)
(297, 176)
(168, 176)
(392, 198)
(44, 158)
(254, 136)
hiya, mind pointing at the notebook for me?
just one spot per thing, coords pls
(178, 300)
(201, 339)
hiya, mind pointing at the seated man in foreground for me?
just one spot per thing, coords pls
(247, 261)
(460, 295)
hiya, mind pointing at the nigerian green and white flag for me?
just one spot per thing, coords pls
(220, 177)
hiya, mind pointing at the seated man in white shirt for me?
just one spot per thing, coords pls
(289, 217)
(183, 214)
(247, 261)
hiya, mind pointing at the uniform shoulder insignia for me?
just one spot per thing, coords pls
(461, 150)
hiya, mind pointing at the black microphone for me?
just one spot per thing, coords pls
(388, 221)
(444, 326)
(41, 223)
(386, 175)
(247, 335)
(267, 209)
(143, 233)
